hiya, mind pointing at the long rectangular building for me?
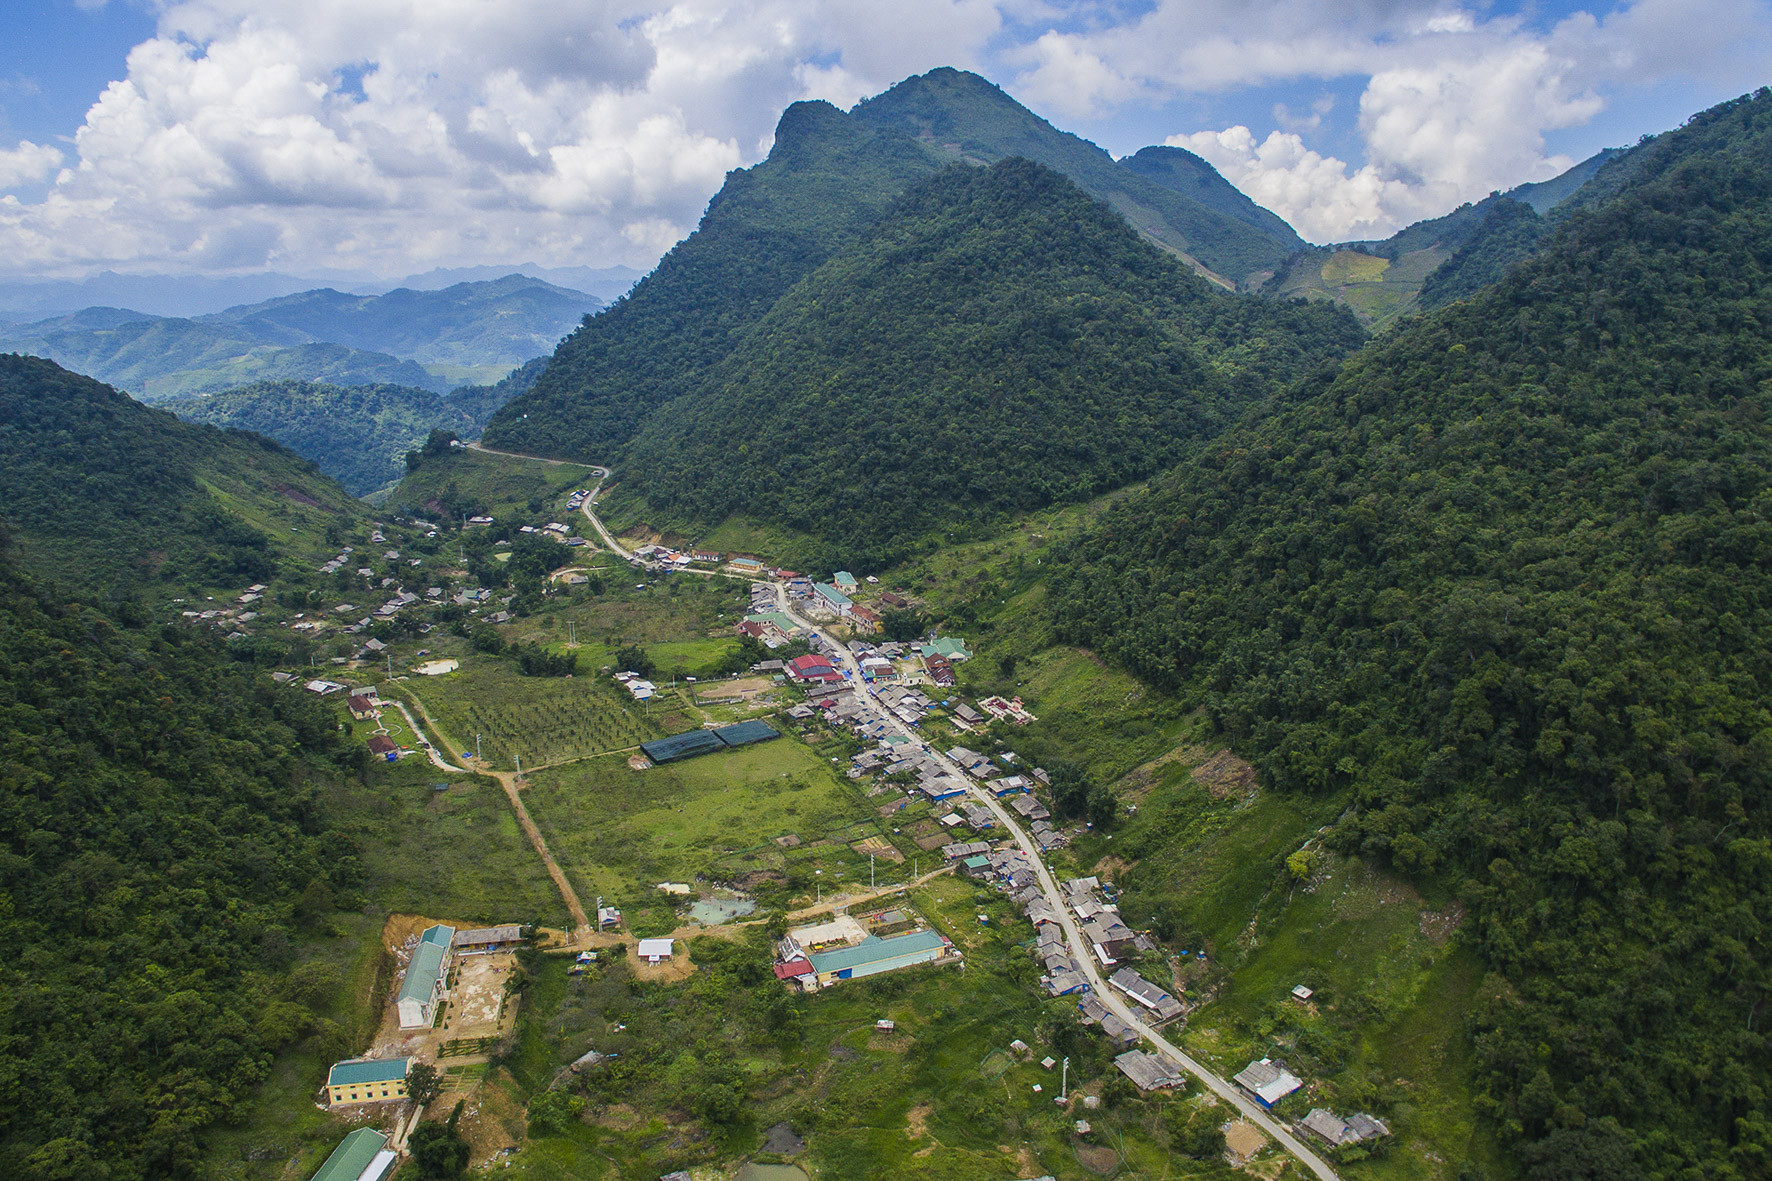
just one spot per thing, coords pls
(874, 955)
(424, 985)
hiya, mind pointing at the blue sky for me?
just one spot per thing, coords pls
(387, 136)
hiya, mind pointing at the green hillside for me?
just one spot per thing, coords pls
(1181, 170)
(966, 117)
(828, 176)
(100, 491)
(768, 227)
(358, 435)
(1498, 597)
(999, 342)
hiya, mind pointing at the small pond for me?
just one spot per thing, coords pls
(711, 912)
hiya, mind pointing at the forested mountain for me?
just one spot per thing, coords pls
(1000, 341)
(158, 842)
(321, 336)
(103, 492)
(358, 435)
(1504, 586)
(1434, 261)
(501, 321)
(828, 176)
(1169, 200)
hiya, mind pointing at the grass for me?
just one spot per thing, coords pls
(1353, 266)
(539, 719)
(617, 832)
(498, 485)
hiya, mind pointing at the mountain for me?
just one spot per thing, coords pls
(428, 340)
(1499, 593)
(828, 176)
(998, 342)
(1181, 170)
(358, 435)
(102, 492)
(1214, 226)
(767, 228)
(608, 284)
(502, 321)
(156, 295)
(1418, 267)
(162, 359)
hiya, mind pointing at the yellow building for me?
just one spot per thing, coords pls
(367, 1080)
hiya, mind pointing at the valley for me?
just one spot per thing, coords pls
(990, 661)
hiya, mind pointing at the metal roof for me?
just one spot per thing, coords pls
(354, 1154)
(355, 1071)
(872, 950)
(422, 973)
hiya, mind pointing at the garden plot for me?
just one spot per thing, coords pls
(540, 719)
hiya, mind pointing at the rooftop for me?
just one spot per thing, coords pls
(355, 1071)
(872, 950)
(353, 1155)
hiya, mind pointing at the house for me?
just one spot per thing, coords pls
(1149, 1071)
(1268, 1081)
(366, 1080)
(425, 977)
(382, 747)
(939, 670)
(1301, 992)
(503, 938)
(704, 555)
(865, 619)
(874, 955)
(845, 582)
(1145, 993)
(655, 951)
(361, 707)
(1334, 1131)
(608, 916)
(977, 866)
(364, 1155)
(835, 599)
(947, 648)
(813, 669)
(895, 600)
(967, 716)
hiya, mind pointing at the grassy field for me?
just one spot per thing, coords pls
(617, 832)
(540, 719)
(942, 1097)
(497, 485)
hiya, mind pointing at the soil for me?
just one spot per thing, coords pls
(1225, 775)
(783, 1142)
(1438, 925)
(678, 967)
(1243, 1139)
(1097, 1158)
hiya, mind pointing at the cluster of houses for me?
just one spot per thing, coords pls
(845, 947)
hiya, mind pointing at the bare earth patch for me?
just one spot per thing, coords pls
(1225, 775)
(1243, 1140)
(1438, 925)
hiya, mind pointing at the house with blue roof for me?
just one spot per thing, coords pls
(874, 955)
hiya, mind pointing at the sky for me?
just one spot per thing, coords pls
(383, 137)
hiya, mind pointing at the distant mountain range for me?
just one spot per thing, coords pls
(432, 340)
(27, 301)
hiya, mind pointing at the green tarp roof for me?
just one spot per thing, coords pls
(682, 746)
(745, 733)
(353, 1154)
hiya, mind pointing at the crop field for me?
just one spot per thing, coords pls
(540, 719)
(617, 831)
(499, 485)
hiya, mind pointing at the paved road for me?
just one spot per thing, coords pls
(1073, 934)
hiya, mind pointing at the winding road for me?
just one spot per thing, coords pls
(1080, 952)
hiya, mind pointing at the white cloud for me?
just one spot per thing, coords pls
(394, 135)
(28, 163)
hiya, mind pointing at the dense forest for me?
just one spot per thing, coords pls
(159, 848)
(1000, 341)
(101, 491)
(358, 435)
(828, 176)
(1504, 585)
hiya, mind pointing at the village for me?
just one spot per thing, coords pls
(897, 708)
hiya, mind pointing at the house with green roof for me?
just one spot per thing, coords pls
(945, 647)
(845, 582)
(367, 1080)
(426, 975)
(874, 955)
(833, 598)
(364, 1155)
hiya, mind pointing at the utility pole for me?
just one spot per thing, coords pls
(519, 768)
(1064, 1085)
(870, 871)
(476, 746)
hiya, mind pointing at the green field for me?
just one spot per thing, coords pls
(617, 831)
(497, 485)
(538, 719)
(940, 1098)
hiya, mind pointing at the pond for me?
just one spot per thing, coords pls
(711, 912)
